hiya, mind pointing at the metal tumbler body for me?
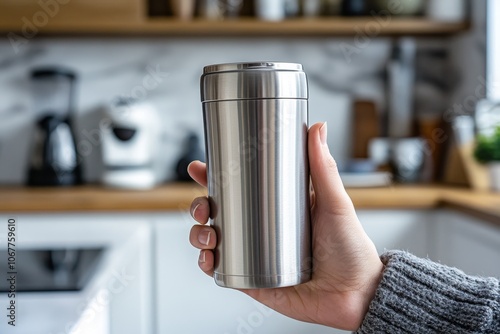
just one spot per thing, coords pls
(256, 124)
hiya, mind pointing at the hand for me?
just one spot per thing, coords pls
(346, 266)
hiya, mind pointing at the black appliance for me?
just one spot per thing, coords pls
(192, 152)
(54, 159)
(355, 7)
(49, 270)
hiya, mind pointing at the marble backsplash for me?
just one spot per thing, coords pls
(108, 68)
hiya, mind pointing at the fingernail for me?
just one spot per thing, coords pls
(194, 210)
(204, 237)
(189, 167)
(323, 133)
(201, 259)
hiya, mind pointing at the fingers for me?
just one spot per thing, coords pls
(200, 210)
(206, 262)
(198, 172)
(203, 237)
(329, 191)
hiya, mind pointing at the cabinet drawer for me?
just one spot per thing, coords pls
(43, 12)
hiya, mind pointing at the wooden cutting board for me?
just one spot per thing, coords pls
(463, 169)
(366, 126)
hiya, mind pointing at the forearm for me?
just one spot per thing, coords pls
(420, 296)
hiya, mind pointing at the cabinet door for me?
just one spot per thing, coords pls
(117, 296)
(399, 229)
(189, 302)
(31, 15)
(468, 243)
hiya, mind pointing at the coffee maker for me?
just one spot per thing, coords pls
(54, 159)
(131, 134)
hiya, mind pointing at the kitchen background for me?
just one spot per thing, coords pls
(340, 71)
(100, 260)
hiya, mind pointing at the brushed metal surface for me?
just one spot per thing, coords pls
(258, 83)
(258, 185)
(258, 65)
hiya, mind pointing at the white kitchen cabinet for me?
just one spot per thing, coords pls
(399, 229)
(189, 302)
(450, 237)
(117, 298)
(467, 243)
(169, 294)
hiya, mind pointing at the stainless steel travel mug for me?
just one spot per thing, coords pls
(256, 123)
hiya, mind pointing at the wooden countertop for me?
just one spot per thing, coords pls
(484, 205)
(175, 197)
(95, 198)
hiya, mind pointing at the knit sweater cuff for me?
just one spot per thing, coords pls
(420, 296)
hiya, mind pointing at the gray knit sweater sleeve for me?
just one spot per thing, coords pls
(420, 296)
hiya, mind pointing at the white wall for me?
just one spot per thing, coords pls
(116, 67)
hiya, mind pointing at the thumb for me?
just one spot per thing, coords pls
(329, 191)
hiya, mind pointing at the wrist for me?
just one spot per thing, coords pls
(372, 287)
(365, 295)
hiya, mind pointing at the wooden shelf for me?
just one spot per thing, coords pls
(334, 26)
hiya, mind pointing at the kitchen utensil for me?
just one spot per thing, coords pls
(401, 80)
(256, 123)
(431, 129)
(270, 10)
(366, 180)
(54, 156)
(211, 9)
(183, 9)
(407, 159)
(454, 172)
(191, 153)
(332, 7)
(248, 8)
(354, 7)
(476, 175)
(232, 8)
(130, 136)
(312, 8)
(403, 7)
(447, 10)
(366, 127)
(379, 151)
(159, 8)
(361, 166)
(292, 8)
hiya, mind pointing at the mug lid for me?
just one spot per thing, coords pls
(264, 65)
(255, 80)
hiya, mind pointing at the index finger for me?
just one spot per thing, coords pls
(198, 172)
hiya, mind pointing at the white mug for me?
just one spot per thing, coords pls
(270, 10)
(447, 10)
